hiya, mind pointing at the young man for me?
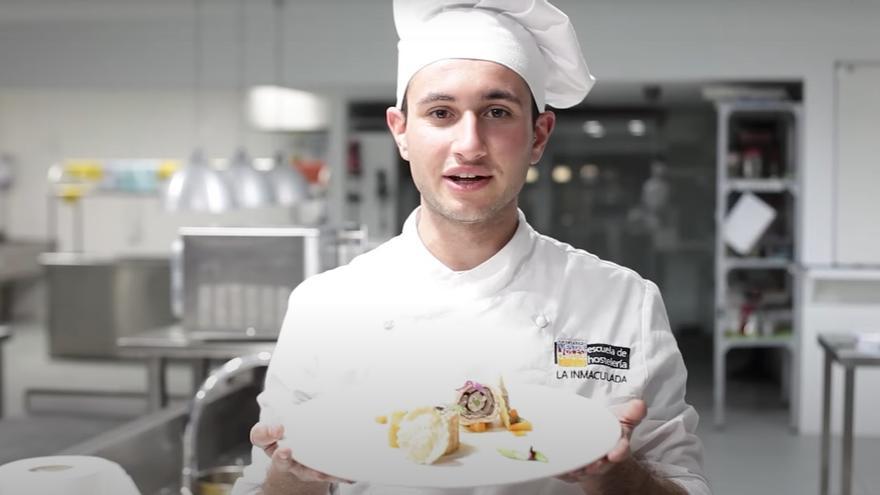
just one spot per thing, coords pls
(469, 288)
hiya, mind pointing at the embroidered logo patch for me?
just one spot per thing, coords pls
(570, 353)
(577, 353)
(611, 356)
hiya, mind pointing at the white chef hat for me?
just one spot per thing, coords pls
(531, 37)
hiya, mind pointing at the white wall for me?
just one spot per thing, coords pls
(43, 126)
(348, 46)
(839, 301)
(857, 171)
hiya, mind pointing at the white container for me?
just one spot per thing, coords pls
(65, 475)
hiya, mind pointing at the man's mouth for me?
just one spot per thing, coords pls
(466, 178)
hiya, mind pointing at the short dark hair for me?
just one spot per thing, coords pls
(535, 111)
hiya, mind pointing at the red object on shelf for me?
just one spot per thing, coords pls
(748, 308)
(311, 169)
(354, 158)
(745, 312)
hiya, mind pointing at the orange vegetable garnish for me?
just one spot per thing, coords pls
(514, 416)
(478, 427)
(521, 426)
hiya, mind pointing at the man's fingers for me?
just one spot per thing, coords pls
(631, 413)
(264, 435)
(572, 477)
(258, 435)
(330, 479)
(634, 412)
(308, 474)
(283, 460)
(277, 431)
(594, 468)
(597, 467)
(619, 452)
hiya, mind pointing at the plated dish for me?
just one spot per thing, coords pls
(365, 435)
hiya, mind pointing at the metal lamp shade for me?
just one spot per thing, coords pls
(289, 184)
(250, 188)
(198, 187)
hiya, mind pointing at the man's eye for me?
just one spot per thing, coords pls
(498, 113)
(440, 113)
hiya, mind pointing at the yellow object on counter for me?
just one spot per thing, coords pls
(71, 193)
(86, 170)
(167, 168)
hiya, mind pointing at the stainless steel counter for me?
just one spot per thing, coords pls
(93, 300)
(18, 260)
(161, 345)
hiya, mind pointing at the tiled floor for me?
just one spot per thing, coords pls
(754, 454)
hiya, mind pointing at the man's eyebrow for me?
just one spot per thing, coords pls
(494, 94)
(501, 94)
(432, 97)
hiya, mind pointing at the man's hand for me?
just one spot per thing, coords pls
(267, 437)
(630, 414)
(617, 472)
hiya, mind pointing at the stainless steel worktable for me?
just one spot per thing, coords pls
(842, 349)
(4, 334)
(19, 260)
(160, 345)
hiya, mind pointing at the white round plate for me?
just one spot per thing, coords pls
(338, 435)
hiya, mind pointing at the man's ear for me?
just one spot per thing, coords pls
(543, 128)
(396, 121)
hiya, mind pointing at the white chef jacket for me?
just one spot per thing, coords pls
(539, 311)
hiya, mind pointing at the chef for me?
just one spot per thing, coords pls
(469, 289)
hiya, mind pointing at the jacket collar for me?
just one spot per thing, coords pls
(484, 280)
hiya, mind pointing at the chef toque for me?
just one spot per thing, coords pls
(531, 37)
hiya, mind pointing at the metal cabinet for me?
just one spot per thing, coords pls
(233, 283)
(94, 300)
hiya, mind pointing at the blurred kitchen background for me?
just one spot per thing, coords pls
(170, 170)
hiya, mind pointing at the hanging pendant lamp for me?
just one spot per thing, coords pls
(289, 185)
(197, 186)
(250, 188)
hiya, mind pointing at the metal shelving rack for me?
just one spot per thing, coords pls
(726, 263)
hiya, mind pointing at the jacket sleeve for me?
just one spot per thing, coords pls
(290, 380)
(666, 438)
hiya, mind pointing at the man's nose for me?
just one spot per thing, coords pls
(469, 145)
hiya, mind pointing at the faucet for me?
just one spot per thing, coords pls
(216, 383)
